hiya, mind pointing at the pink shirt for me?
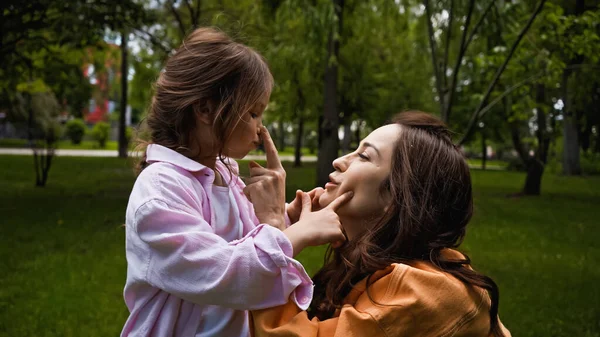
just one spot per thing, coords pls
(183, 278)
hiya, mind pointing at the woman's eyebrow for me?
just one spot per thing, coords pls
(367, 144)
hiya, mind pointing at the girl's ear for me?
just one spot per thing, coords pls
(203, 113)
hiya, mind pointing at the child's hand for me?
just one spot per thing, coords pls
(317, 228)
(295, 207)
(266, 186)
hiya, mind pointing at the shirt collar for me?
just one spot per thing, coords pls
(158, 153)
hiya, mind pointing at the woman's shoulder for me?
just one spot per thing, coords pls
(427, 297)
(423, 279)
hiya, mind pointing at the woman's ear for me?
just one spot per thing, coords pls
(387, 202)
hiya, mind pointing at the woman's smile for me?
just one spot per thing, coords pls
(331, 184)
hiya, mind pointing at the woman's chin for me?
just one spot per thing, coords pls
(326, 198)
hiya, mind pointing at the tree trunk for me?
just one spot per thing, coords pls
(536, 165)
(298, 146)
(300, 113)
(320, 132)
(274, 134)
(357, 133)
(123, 114)
(483, 150)
(571, 165)
(585, 136)
(281, 139)
(533, 181)
(31, 141)
(535, 168)
(542, 133)
(328, 149)
(347, 137)
(597, 144)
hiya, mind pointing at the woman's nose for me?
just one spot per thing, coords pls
(340, 164)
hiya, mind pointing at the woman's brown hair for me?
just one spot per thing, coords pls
(210, 73)
(432, 204)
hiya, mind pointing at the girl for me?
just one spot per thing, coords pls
(198, 252)
(399, 274)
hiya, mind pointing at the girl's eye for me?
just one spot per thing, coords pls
(363, 157)
(253, 115)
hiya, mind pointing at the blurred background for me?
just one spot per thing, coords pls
(518, 81)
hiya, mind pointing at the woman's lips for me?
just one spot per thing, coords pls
(330, 185)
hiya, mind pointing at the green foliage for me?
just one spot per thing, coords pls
(129, 133)
(590, 163)
(147, 67)
(100, 133)
(75, 130)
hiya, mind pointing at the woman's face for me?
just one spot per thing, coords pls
(363, 172)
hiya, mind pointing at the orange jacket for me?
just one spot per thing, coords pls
(408, 301)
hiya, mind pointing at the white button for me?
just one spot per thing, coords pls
(304, 299)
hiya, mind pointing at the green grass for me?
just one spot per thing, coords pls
(62, 144)
(288, 151)
(63, 266)
(489, 163)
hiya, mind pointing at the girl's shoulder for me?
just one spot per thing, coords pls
(170, 184)
(167, 174)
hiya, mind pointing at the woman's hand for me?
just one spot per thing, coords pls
(295, 207)
(266, 186)
(317, 228)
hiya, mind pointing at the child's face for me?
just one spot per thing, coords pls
(245, 136)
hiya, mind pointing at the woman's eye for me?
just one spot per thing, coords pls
(363, 157)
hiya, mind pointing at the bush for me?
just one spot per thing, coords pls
(100, 133)
(516, 164)
(54, 132)
(75, 130)
(590, 163)
(128, 134)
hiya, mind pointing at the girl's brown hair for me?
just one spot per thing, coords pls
(209, 73)
(432, 204)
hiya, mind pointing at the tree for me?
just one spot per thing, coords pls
(579, 43)
(36, 37)
(328, 128)
(123, 104)
(447, 88)
(534, 82)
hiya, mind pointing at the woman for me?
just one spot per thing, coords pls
(399, 273)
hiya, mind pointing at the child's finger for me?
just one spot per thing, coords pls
(247, 193)
(259, 171)
(306, 203)
(340, 201)
(273, 161)
(299, 195)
